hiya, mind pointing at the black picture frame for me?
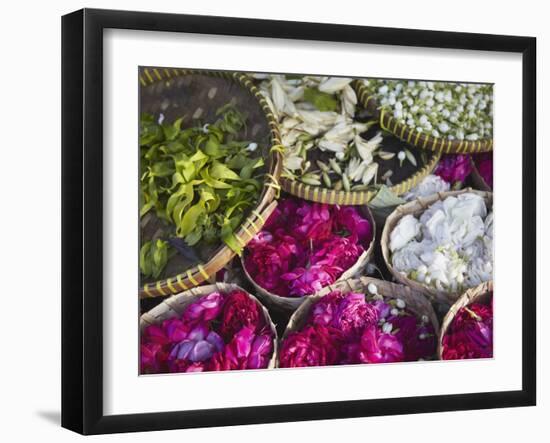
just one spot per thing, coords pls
(82, 218)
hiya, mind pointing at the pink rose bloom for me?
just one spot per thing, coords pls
(204, 309)
(175, 329)
(304, 281)
(155, 334)
(338, 251)
(348, 218)
(246, 351)
(312, 346)
(153, 358)
(354, 314)
(454, 167)
(240, 310)
(470, 335)
(378, 347)
(484, 164)
(313, 221)
(324, 311)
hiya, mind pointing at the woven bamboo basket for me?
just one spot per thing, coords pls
(176, 304)
(420, 140)
(292, 303)
(415, 301)
(478, 180)
(417, 207)
(321, 194)
(176, 92)
(479, 294)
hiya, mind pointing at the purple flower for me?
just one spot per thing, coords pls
(454, 168)
(199, 345)
(484, 164)
(304, 281)
(378, 347)
(204, 309)
(354, 314)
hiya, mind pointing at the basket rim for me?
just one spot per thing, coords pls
(402, 210)
(421, 141)
(321, 194)
(198, 292)
(197, 274)
(292, 303)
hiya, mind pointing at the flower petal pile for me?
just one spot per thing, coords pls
(470, 334)
(350, 329)
(454, 168)
(218, 332)
(306, 246)
(455, 111)
(449, 247)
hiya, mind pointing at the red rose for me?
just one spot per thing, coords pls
(312, 346)
(240, 311)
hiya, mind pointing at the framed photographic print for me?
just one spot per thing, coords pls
(270, 221)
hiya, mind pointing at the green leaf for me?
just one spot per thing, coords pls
(385, 198)
(189, 220)
(221, 172)
(321, 100)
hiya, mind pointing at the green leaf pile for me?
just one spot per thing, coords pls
(201, 180)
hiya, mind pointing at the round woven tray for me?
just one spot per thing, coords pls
(479, 294)
(176, 304)
(197, 95)
(422, 141)
(321, 194)
(292, 303)
(414, 300)
(416, 207)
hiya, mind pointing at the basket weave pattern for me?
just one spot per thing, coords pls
(252, 225)
(410, 135)
(175, 305)
(292, 303)
(416, 207)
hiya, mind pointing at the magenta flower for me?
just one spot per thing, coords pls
(470, 335)
(484, 164)
(246, 351)
(354, 314)
(338, 252)
(348, 218)
(194, 342)
(153, 358)
(204, 309)
(304, 281)
(419, 341)
(454, 167)
(313, 222)
(239, 311)
(378, 347)
(324, 311)
(312, 346)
